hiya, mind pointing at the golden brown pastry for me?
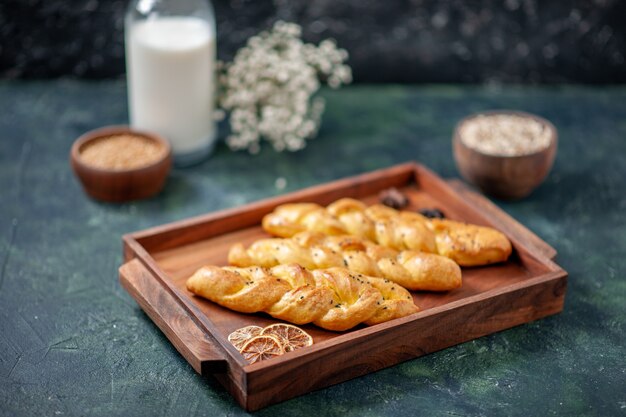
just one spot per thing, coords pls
(334, 298)
(397, 301)
(466, 244)
(411, 269)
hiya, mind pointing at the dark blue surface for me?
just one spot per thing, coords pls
(73, 343)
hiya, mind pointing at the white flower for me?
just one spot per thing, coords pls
(269, 88)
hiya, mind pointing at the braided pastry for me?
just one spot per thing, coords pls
(466, 244)
(411, 269)
(333, 298)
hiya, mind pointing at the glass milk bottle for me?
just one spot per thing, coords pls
(170, 67)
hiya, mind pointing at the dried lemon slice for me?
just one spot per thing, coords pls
(240, 336)
(261, 347)
(291, 337)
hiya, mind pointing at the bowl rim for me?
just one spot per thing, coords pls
(113, 130)
(554, 135)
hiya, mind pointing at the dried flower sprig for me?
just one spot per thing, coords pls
(270, 85)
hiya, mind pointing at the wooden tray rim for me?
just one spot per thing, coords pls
(132, 240)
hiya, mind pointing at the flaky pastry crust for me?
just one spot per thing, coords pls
(313, 250)
(466, 244)
(334, 298)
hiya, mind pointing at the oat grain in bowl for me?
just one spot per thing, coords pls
(505, 134)
(505, 153)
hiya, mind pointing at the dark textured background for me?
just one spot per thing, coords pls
(490, 41)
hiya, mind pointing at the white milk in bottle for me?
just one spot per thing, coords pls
(170, 69)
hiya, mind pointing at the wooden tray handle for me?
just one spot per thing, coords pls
(498, 216)
(201, 352)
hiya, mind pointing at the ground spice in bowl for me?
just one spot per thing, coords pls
(121, 152)
(117, 164)
(505, 134)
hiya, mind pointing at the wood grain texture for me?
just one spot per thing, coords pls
(527, 287)
(202, 353)
(186, 231)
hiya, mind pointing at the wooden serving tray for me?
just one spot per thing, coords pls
(159, 260)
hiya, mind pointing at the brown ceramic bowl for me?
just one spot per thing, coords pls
(120, 185)
(505, 177)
